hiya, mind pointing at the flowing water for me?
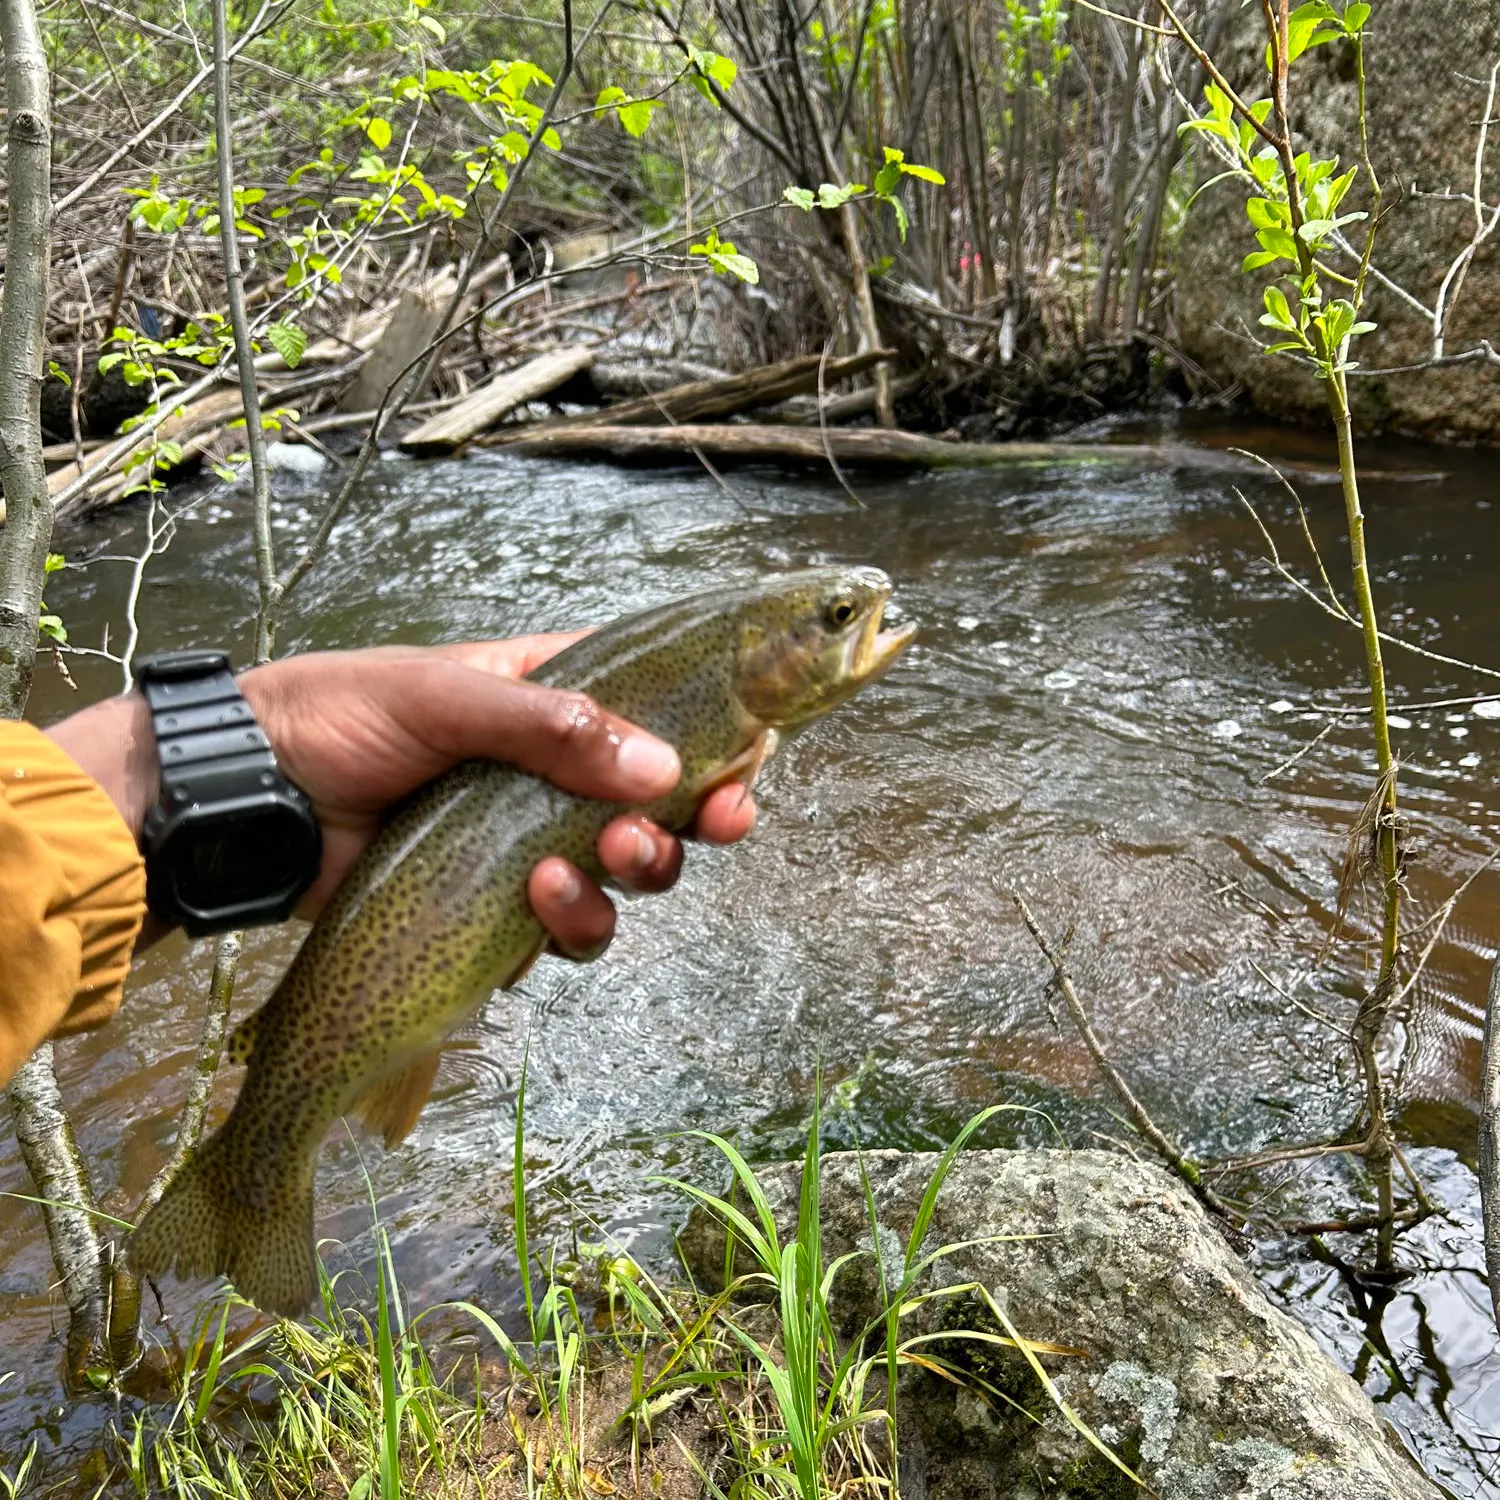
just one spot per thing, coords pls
(1108, 675)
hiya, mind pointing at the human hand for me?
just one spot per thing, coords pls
(358, 730)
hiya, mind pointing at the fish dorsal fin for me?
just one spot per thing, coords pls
(391, 1104)
(242, 1040)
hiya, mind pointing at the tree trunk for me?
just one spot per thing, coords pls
(28, 507)
(1489, 1140)
(42, 1129)
(45, 1136)
(1110, 255)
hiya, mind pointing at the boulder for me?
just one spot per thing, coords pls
(1189, 1372)
(1427, 70)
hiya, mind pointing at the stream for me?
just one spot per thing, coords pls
(1108, 673)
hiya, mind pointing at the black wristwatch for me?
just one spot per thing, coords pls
(231, 842)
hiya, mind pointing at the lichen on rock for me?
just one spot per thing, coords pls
(1189, 1372)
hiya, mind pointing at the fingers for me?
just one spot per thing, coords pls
(727, 815)
(565, 737)
(579, 917)
(513, 658)
(639, 855)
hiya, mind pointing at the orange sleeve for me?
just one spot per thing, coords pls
(72, 896)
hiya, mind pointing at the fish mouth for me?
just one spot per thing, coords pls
(875, 649)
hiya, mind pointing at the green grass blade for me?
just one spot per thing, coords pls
(518, 1208)
(1077, 1423)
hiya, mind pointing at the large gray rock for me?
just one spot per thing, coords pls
(1427, 68)
(1191, 1375)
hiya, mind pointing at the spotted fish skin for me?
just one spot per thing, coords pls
(434, 916)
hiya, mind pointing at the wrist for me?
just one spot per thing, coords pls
(113, 742)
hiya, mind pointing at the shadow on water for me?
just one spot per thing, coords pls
(1106, 677)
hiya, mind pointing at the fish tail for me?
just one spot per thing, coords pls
(215, 1220)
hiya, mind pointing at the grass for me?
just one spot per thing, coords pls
(614, 1384)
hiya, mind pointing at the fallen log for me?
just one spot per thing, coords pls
(206, 414)
(408, 331)
(700, 399)
(484, 407)
(802, 411)
(887, 448)
(870, 447)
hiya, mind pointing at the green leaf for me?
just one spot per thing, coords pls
(379, 132)
(1265, 214)
(799, 197)
(924, 174)
(289, 341)
(830, 196)
(887, 178)
(903, 222)
(1355, 17)
(55, 563)
(1280, 314)
(636, 116)
(551, 139)
(611, 95)
(57, 372)
(1258, 259)
(52, 627)
(1278, 241)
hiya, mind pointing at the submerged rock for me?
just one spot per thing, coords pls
(1191, 1375)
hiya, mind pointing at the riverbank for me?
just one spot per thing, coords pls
(1107, 674)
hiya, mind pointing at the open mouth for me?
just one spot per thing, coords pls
(876, 649)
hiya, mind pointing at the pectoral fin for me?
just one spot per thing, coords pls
(744, 768)
(391, 1104)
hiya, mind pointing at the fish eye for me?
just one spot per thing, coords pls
(840, 612)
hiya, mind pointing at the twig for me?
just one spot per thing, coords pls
(1307, 749)
(262, 20)
(1142, 1121)
(205, 1067)
(833, 463)
(1489, 1139)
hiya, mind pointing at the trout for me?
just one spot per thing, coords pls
(434, 915)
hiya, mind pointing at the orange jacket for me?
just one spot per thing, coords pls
(72, 896)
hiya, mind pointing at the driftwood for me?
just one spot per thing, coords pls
(622, 380)
(724, 397)
(1489, 1140)
(405, 335)
(871, 447)
(885, 448)
(802, 411)
(485, 406)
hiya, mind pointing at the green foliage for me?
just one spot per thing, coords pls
(1027, 33)
(724, 258)
(887, 180)
(288, 340)
(1294, 221)
(51, 626)
(634, 114)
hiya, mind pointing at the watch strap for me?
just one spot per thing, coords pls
(208, 744)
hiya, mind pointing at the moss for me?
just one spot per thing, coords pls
(1001, 1369)
(1093, 1477)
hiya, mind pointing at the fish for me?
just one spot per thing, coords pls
(434, 916)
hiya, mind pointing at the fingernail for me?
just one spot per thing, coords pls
(642, 850)
(566, 886)
(647, 761)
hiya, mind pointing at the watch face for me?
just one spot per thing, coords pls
(258, 857)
